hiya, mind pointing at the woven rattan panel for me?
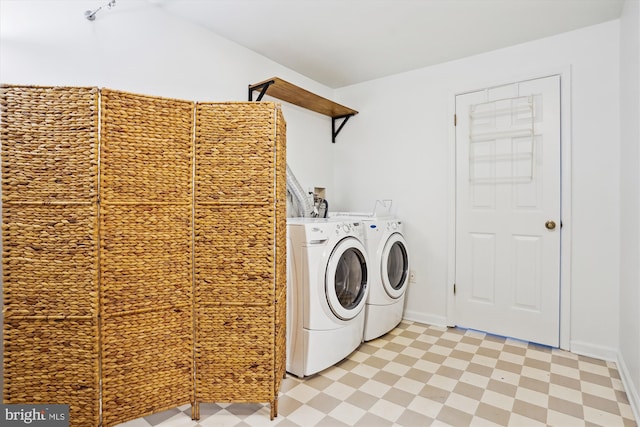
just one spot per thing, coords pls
(234, 254)
(50, 248)
(239, 178)
(281, 255)
(146, 254)
(235, 160)
(237, 342)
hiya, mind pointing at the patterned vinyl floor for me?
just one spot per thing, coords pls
(420, 375)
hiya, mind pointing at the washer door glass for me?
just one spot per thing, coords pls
(395, 266)
(346, 279)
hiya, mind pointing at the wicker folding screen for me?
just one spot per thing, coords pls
(146, 267)
(239, 246)
(50, 244)
(103, 310)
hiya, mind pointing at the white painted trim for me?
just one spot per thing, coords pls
(426, 319)
(632, 393)
(451, 214)
(594, 351)
(612, 355)
(565, 208)
(566, 203)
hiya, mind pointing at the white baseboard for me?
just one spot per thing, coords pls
(595, 351)
(632, 392)
(426, 319)
(612, 355)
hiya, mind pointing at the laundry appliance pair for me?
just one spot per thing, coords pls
(389, 259)
(346, 278)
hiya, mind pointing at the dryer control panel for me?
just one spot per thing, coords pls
(394, 225)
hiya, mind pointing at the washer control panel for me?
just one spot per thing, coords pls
(348, 228)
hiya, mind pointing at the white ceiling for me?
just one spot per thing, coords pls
(343, 42)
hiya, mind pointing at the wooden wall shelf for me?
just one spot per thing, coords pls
(278, 88)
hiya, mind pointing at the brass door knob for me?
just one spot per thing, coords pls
(550, 225)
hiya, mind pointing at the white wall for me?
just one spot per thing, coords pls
(398, 146)
(138, 47)
(630, 200)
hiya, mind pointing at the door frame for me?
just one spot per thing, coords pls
(565, 195)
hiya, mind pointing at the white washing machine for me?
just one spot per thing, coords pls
(327, 289)
(389, 279)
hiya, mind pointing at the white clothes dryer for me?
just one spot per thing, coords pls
(389, 256)
(327, 290)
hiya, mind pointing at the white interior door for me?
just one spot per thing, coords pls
(508, 210)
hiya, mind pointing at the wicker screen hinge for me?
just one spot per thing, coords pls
(293, 94)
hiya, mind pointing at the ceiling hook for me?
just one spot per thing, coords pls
(91, 14)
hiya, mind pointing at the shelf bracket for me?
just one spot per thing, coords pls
(334, 131)
(262, 87)
(285, 91)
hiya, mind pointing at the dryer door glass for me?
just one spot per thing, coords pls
(395, 266)
(346, 283)
(351, 278)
